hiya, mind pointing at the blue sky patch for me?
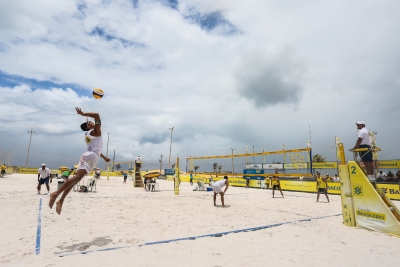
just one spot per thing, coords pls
(100, 32)
(3, 47)
(170, 3)
(210, 21)
(8, 80)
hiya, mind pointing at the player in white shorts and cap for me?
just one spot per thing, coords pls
(88, 160)
(217, 189)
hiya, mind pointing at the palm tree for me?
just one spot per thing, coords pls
(219, 168)
(215, 166)
(318, 158)
(196, 168)
(118, 166)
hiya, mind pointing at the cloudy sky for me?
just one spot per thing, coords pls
(225, 74)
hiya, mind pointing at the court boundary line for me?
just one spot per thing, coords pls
(39, 229)
(203, 236)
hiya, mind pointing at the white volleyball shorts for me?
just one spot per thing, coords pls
(88, 161)
(217, 189)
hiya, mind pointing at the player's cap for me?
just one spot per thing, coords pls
(84, 126)
(43, 164)
(360, 122)
(225, 177)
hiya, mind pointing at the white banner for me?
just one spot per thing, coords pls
(272, 166)
(295, 166)
(254, 166)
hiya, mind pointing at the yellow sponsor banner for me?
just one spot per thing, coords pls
(392, 191)
(324, 165)
(305, 186)
(388, 164)
(369, 214)
(29, 170)
(239, 182)
(371, 209)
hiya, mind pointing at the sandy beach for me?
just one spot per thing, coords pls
(117, 225)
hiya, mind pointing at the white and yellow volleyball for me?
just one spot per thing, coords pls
(98, 93)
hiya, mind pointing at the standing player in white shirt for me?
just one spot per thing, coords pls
(43, 178)
(88, 160)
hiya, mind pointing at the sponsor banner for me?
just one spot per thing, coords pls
(308, 186)
(295, 166)
(392, 191)
(169, 171)
(272, 166)
(254, 177)
(29, 170)
(239, 182)
(388, 164)
(324, 165)
(250, 171)
(253, 166)
(370, 209)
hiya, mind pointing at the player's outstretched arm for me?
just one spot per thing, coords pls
(93, 115)
(104, 157)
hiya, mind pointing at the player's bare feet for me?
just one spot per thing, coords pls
(59, 207)
(52, 200)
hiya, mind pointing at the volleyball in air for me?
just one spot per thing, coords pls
(98, 93)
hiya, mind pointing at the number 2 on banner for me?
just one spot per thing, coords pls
(353, 170)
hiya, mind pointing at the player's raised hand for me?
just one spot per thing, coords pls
(79, 111)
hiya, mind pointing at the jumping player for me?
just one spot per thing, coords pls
(88, 160)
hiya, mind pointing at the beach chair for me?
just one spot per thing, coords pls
(200, 186)
(91, 185)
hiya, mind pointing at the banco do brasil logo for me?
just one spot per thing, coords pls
(358, 190)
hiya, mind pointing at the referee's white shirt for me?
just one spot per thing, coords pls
(364, 134)
(44, 173)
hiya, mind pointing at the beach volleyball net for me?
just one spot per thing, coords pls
(295, 162)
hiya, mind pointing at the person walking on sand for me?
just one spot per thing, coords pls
(88, 160)
(276, 184)
(322, 186)
(217, 189)
(43, 178)
(125, 176)
(3, 170)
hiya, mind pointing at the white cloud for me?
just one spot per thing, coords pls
(159, 69)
